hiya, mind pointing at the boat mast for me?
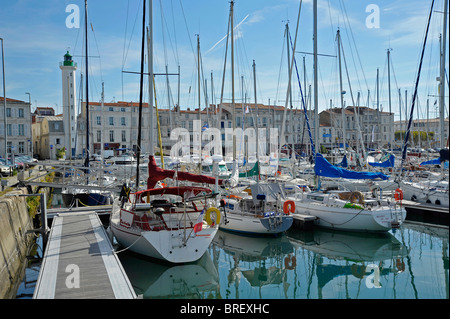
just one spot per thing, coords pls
(378, 110)
(138, 150)
(316, 88)
(86, 161)
(256, 124)
(290, 65)
(232, 83)
(442, 78)
(344, 132)
(199, 104)
(151, 76)
(389, 93)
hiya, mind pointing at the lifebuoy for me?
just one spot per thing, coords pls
(208, 218)
(290, 262)
(398, 195)
(234, 196)
(289, 207)
(400, 265)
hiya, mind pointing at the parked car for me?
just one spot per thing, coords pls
(19, 164)
(5, 170)
(8, 163)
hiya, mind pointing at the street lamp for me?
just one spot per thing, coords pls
(4, 102)
(31, 123)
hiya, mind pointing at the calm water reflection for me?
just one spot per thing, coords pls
(411, 263)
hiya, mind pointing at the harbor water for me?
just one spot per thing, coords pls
(409, 263)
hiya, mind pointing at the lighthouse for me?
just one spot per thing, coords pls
(68, 68)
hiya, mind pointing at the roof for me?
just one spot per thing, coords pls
(350, 110)
(211, 109)
(12, 100)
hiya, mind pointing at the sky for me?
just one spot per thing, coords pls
(37, 34)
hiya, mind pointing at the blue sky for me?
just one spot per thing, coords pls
(36, 38)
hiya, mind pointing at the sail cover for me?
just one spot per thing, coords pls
(387, 163)
(324, 168)
(343, 163)
(156, 174)
(435, 161)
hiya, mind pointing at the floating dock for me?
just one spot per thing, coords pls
(427, 213)
(304, 222)
(80, 263)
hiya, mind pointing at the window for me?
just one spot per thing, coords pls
(21, 114)
(9, 129)
(99, 136)
(21, 129)
(111, 109)
(122, 109)
(21, 147)
(111, 136)
(99, 120)
(122, 121)
(58, 141)
(124, 137)
(8, 112)
(111, 121)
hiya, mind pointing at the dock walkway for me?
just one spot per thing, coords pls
(80, 263)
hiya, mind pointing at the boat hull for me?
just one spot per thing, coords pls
(350, 219)
(251, 224)
(424, 195)
(86, 199)
(168, 245)
(70, 199)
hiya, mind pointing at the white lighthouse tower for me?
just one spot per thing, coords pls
(68, 68)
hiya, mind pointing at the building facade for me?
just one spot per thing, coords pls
(373, 128)
(52, 137)
(17, 134)
(430, 128)
(115, 125)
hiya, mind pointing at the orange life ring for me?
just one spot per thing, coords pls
(400, 265)
(289, 207)
(398, 195)
(234, 196)
(290, 262)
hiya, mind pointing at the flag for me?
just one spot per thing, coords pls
(205, 126)
(199, 223)
(247, 110)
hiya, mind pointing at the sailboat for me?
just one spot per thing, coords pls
(258, 213)
(174, 224)
(350, 211)
(85, 196)
(435, 193)
(345, 210)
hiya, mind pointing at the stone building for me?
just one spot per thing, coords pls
(18, 127)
